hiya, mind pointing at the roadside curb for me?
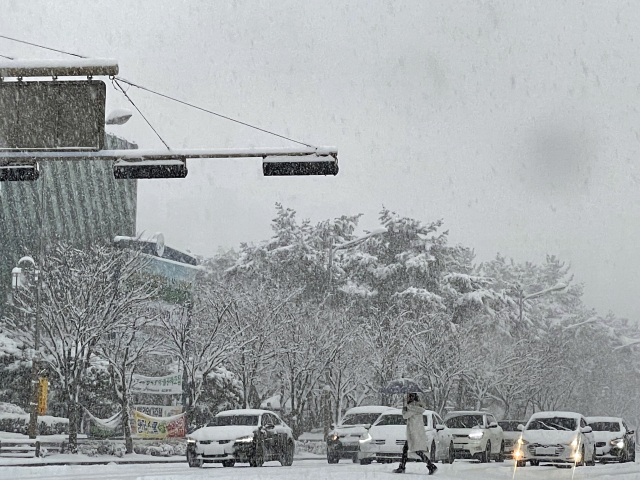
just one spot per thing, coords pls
(108, 462)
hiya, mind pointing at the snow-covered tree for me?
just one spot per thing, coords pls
(85, 296)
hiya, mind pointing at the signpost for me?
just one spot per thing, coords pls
(52, 115)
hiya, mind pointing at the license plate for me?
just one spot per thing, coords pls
(213, 449)
(545, 450)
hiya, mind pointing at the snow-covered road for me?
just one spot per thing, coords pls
(317, 470)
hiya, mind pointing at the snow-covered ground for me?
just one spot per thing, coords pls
(318, 470)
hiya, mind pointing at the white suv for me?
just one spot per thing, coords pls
(476, 435)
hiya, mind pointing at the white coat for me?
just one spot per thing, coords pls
(416, 436)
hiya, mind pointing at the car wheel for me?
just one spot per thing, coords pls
(286, 457)
(365, 461)
(257, 459)
(432, 453)
(228, 463)
(486, 456)
(581, 463)
(534, 463)
(354, 459)
(500, 457)
(332, 457)
(451, 455)
(192, 460)
(521, 463)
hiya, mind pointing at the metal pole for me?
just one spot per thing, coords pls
(35, 381)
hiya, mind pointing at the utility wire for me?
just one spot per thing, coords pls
(118, 86)
(41, 46)
(8, 58)
(159, 94)
(212, 113)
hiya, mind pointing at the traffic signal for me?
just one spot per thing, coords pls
(300, 165)
(16, 172)
(145, 168)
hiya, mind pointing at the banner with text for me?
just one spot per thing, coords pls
(145, 426)
(170, 384)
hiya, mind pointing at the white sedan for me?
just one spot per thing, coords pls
(385, 439)
(556, 437)
(248, 435)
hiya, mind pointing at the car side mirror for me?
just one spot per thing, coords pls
(586, 429)
(493, 425)
(269, 426)
(631, 432)
(439, 427)
(367, 426)
(521, 427)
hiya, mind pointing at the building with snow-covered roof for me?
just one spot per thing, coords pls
(84, 204)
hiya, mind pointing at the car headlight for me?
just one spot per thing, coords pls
(247, 439)
(333, 437)
(618, 442)
(522, 442)
(191, 441)
(366, 437)
(476, 435)
(574, 443)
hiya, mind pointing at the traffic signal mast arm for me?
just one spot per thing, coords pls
(164, 154)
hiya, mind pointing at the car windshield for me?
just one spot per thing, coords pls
(510, 426)
(226, 420)
(464, 421)
(605, 426)
(553, 423)
(394, 419)
(360, 418)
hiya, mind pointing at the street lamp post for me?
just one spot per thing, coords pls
(522, 297)
(17, 281)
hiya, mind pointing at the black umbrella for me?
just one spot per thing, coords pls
(401, 385)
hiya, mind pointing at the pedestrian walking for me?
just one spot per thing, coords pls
(416, 436)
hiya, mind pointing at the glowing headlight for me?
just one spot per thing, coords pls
(334, 437)
(522, 442)
(476, 435)
(517, 454)
(247, 439)
(365, 438)
(577, 456)
(618, 442)
(574, 443)
(191, 440)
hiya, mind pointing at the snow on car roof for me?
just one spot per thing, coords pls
(555, 414)
(392, 411)
(243, 411)
(466, 412)
(367, 409)
(602, 419)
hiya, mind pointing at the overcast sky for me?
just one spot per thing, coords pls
(515, 122)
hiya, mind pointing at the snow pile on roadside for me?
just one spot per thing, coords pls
(317, 448)
(11, 408)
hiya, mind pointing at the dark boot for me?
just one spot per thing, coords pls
(432, 468)
(400, 469)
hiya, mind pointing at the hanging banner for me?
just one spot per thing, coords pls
(43, 389)
(159, 410)
(169, 385)
(145, 426)
(97, 428)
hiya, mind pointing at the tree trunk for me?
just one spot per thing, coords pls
(72, 413)
(126, 427)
